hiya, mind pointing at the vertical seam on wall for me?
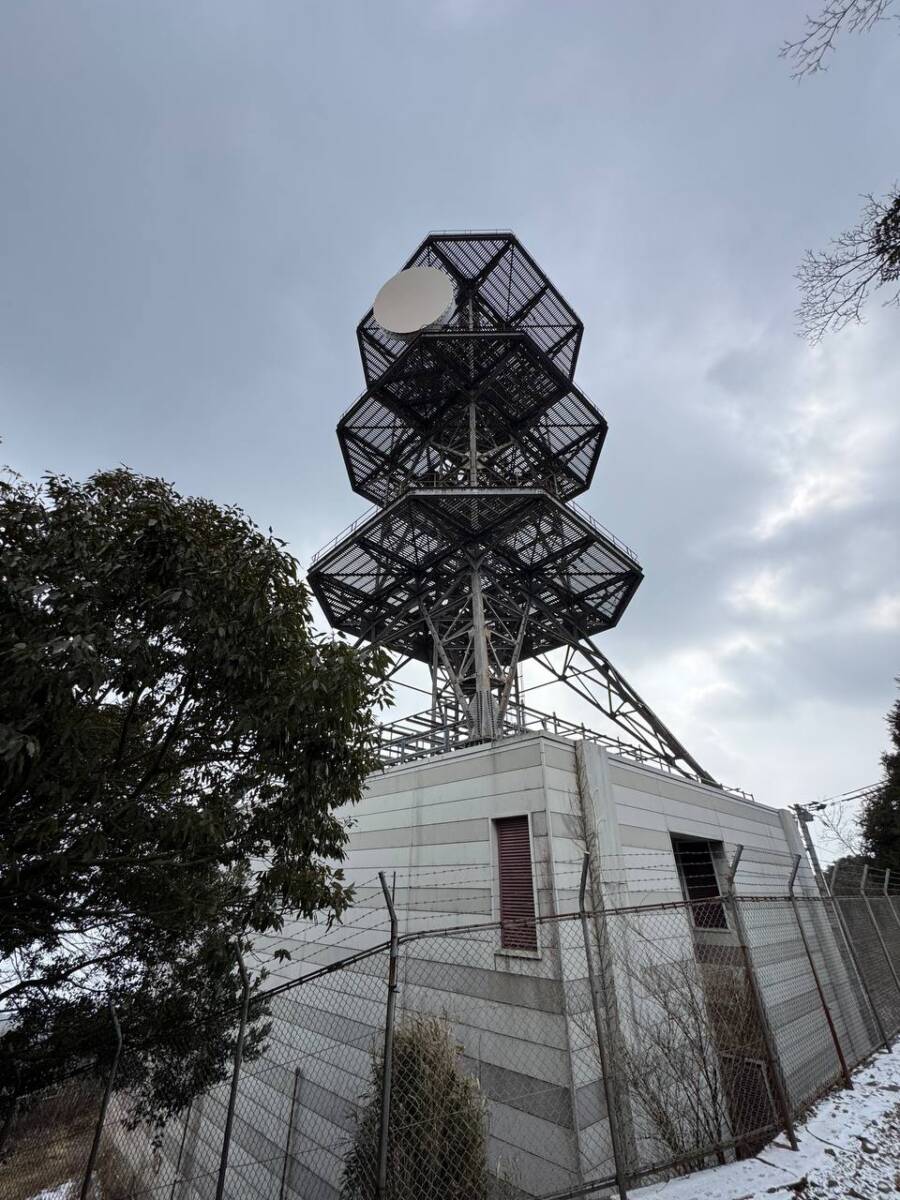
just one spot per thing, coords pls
(551, 863)
(551, 860)
(608, 975)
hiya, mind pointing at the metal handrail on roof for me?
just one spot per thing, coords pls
(423, 485)
(603, 531)
(425, 735)
(351, 528)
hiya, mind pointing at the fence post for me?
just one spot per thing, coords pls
(612, 1115)
(184, 1132)
(768, 1042)
(848, 943)
(827, 888)
(387, 1064)
(891, 905)
(235, 1074)
(881, 941)
(848, 1083)
(9, 1121)
(107, 1092)
(290, 1134)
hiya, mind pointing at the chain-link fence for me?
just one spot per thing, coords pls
(630, 1044)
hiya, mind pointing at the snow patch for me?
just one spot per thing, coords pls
(849, 1146)
(63, 1191)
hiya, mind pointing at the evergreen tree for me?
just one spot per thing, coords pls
(174, 738)
(880, 817)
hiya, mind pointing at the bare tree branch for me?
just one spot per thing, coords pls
(836, 283)
(57, 973)
(841, 830)
(809, 53)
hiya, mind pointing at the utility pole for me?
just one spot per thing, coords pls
(805, 819)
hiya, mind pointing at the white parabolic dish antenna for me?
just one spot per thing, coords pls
(415, 299)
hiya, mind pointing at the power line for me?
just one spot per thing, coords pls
(860, 793)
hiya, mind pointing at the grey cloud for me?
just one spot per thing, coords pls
(199, 201)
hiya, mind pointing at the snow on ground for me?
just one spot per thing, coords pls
(849, 1150)
(65, 1191)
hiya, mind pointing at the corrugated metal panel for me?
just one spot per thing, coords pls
(517, 925)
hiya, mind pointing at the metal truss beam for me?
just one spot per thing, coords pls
(607, 690)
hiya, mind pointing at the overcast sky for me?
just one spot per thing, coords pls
(200, 200)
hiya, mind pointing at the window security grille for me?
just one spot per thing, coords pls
(699, 881)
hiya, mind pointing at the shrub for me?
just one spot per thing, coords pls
(436, 1142)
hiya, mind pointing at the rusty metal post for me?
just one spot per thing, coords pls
(388, 1059)
(768, 1040)
(235, 1074)
(107, 1092)
(612, 1115)
(845, 1073)
(881, 941)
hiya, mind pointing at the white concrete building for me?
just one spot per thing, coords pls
(521, 1014)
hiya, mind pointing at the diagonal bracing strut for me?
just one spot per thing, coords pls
(601, 685)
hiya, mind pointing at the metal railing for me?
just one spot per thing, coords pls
(426, 734)
(435, 483)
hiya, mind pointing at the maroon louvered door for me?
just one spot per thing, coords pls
(517, 925)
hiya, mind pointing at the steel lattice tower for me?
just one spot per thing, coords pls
(471, 440)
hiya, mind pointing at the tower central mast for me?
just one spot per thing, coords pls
(483, 715)
(471, 439)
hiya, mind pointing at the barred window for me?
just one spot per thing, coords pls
(518, 930)
(699, 882)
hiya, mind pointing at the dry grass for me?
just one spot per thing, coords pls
(51, 1145)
